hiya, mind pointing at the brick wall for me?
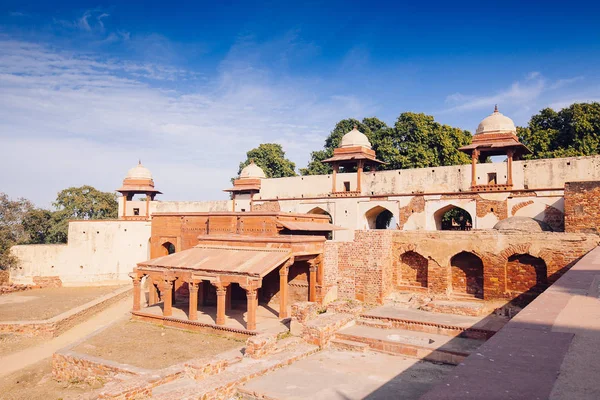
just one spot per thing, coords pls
(582, 207)
(4, 277)
(369, 267)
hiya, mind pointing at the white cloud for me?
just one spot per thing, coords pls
(69, 119)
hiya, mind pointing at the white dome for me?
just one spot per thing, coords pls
(252, 171)
(139, 172)
(496, 123)
(355, 138)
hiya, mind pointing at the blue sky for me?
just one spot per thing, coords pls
(89, 88)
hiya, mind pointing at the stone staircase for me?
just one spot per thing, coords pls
(444, 338)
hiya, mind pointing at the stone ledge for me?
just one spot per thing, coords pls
(189, 325)
(54, 326)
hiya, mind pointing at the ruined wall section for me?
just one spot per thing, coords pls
(582, 207)
(370, 267)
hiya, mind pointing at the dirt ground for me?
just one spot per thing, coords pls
(47, 303)
(150, 346)
(36, 383)
(10, 343)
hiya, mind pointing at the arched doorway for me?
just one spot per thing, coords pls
(526, 273)
(412, 270)
(168, 248)
(467, 275)
(453, 218)
(380, 218)
(320, 211)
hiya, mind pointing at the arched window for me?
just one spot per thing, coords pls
(380, 218)
(452, 218)
(169, 248)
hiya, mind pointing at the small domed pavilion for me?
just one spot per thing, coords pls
(246, 186)
(138, 181)
(496, 135)
(354, 151)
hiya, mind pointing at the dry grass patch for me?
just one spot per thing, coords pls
(39, 304)
(153, 347)
(11, 343)
(36, 383)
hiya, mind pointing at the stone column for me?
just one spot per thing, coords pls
(147, 205)
(124, 205)
(283, 290)
(334, 177)
(193, 312)
(312, 284)
(166, 293)
(221, 293)
(509, 180)
(137, 293)
(251, 298)
(474, 157)
(201, 293)
(228, 298)
(359, 172)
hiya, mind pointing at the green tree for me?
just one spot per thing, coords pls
(12, 232)
(315, 165)
(37, 223)
(271, 158)
(417, 141)
(85, 202)
(572, 131)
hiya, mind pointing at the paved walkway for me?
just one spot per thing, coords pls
(19, 360)
(550, 350)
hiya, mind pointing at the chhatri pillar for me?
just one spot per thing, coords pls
(284, 288)
(138, 181)
(166, 293)
(312, 281)
(137, 292)
(221, 294)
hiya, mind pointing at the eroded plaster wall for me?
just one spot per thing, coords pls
(97, 251)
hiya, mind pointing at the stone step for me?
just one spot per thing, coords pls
(430, 347)
(469, 307)
(435, 323)
(375, 323)
(349, 345)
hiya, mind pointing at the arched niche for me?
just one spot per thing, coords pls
(168, 248)
(526, 273)
(412, 269)
(453, 218)
(467, 275)
(380, 217)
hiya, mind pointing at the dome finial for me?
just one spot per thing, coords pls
(496, 108)
(139, 161)
(355, 126)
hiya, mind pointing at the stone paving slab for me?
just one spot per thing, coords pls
(421, 339)
(346, 375)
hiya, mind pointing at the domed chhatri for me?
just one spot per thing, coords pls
(522, 224)
(496, 123)
(355, 138)
(252, 171)
(139, 172)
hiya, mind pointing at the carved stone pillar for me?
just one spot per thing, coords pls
(137, 293)
(474, 157)
(251, 298)
(359, 172)
(221, 293)
(336, 169)
(193, 311)
(166, 293)
(509, 180)
(283, 289)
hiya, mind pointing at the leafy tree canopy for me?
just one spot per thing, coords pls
(271, 158)
(415, 141)
(12, 232)
(572, 131)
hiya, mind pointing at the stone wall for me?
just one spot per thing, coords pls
(371, 267)
(582, 207)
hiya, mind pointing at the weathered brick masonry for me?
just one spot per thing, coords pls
(371, 267)
(582, 205)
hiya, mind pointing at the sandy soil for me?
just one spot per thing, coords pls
(35, 382)
(10, 343)
(47, 303)
(153, 347)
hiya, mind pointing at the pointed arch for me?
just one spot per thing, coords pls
(380, 217)
(452, 217)
(467, 274)
(320, 211)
